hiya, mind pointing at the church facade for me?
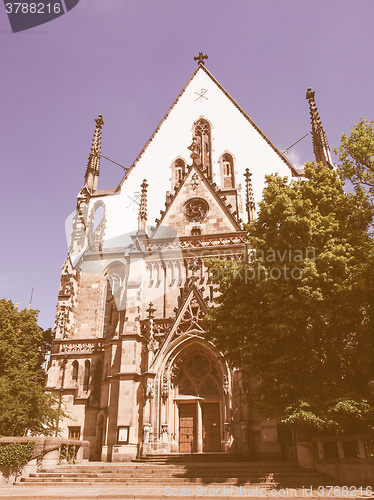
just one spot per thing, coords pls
(129, 362)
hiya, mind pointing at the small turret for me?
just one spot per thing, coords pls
(320, 145)
(142, 219)
(93, 165)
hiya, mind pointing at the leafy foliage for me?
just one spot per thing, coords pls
(25, 406)
(356, 155)
(297, 313)
(14, 456)
(68, 452)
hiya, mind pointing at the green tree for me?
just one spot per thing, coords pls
(293, 317)
(356, 155)
(25, 406)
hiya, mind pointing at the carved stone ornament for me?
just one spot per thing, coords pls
(196, 209)
(164, 387)
(80, 347)
(148, 390)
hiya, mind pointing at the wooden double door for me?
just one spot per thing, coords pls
(199, 420)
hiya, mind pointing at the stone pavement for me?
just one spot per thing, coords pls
(177, 492)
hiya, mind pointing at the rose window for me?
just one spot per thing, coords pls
(195, 210)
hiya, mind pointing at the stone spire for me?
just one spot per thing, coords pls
(93, 165)
(142, 219)
(250, 205)
(320, 145)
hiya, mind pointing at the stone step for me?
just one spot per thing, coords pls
(169, 471)
(152, 470)
(294, 482)
(203, 479)
(178, 473)
(166, 465)
(208, 456)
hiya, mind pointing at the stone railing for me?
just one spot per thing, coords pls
(47, 453)
(349, 459)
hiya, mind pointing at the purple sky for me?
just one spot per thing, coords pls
(128, 59)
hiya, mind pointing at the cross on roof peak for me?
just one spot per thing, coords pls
(200, 58)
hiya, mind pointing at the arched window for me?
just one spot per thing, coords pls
(179, 169)
(198, 376)
(115, 299)
(96, 226)
(75, 371)
(202, 133)
(115, 283)
(86, 380)
(227, 171)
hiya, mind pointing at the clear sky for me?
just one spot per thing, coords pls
(128, 60)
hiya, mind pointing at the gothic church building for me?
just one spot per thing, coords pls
(129, 361)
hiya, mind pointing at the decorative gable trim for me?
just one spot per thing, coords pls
(213, 189)
(187, 320)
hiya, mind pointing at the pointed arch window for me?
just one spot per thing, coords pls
(227, 171)
(86, 380)
(114, 283)
(115, 301)
(179, 169)
(198, 376)
(96, 226)
(75, 371)
(202, 133)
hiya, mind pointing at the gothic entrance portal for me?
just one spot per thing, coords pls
(191, 427)
(199, 401)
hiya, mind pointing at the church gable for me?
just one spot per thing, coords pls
(235, 140)
(232, 144)
(197, 208)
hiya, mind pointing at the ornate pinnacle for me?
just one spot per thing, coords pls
(200, 58)
(143, 207)
(320, 145)
(93, 165)
(194, 267)
(151, 310)
(249, 198)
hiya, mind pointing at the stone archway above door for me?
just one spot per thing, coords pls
(198, 374)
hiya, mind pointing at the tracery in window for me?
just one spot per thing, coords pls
(197, 375)
(202, 133)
